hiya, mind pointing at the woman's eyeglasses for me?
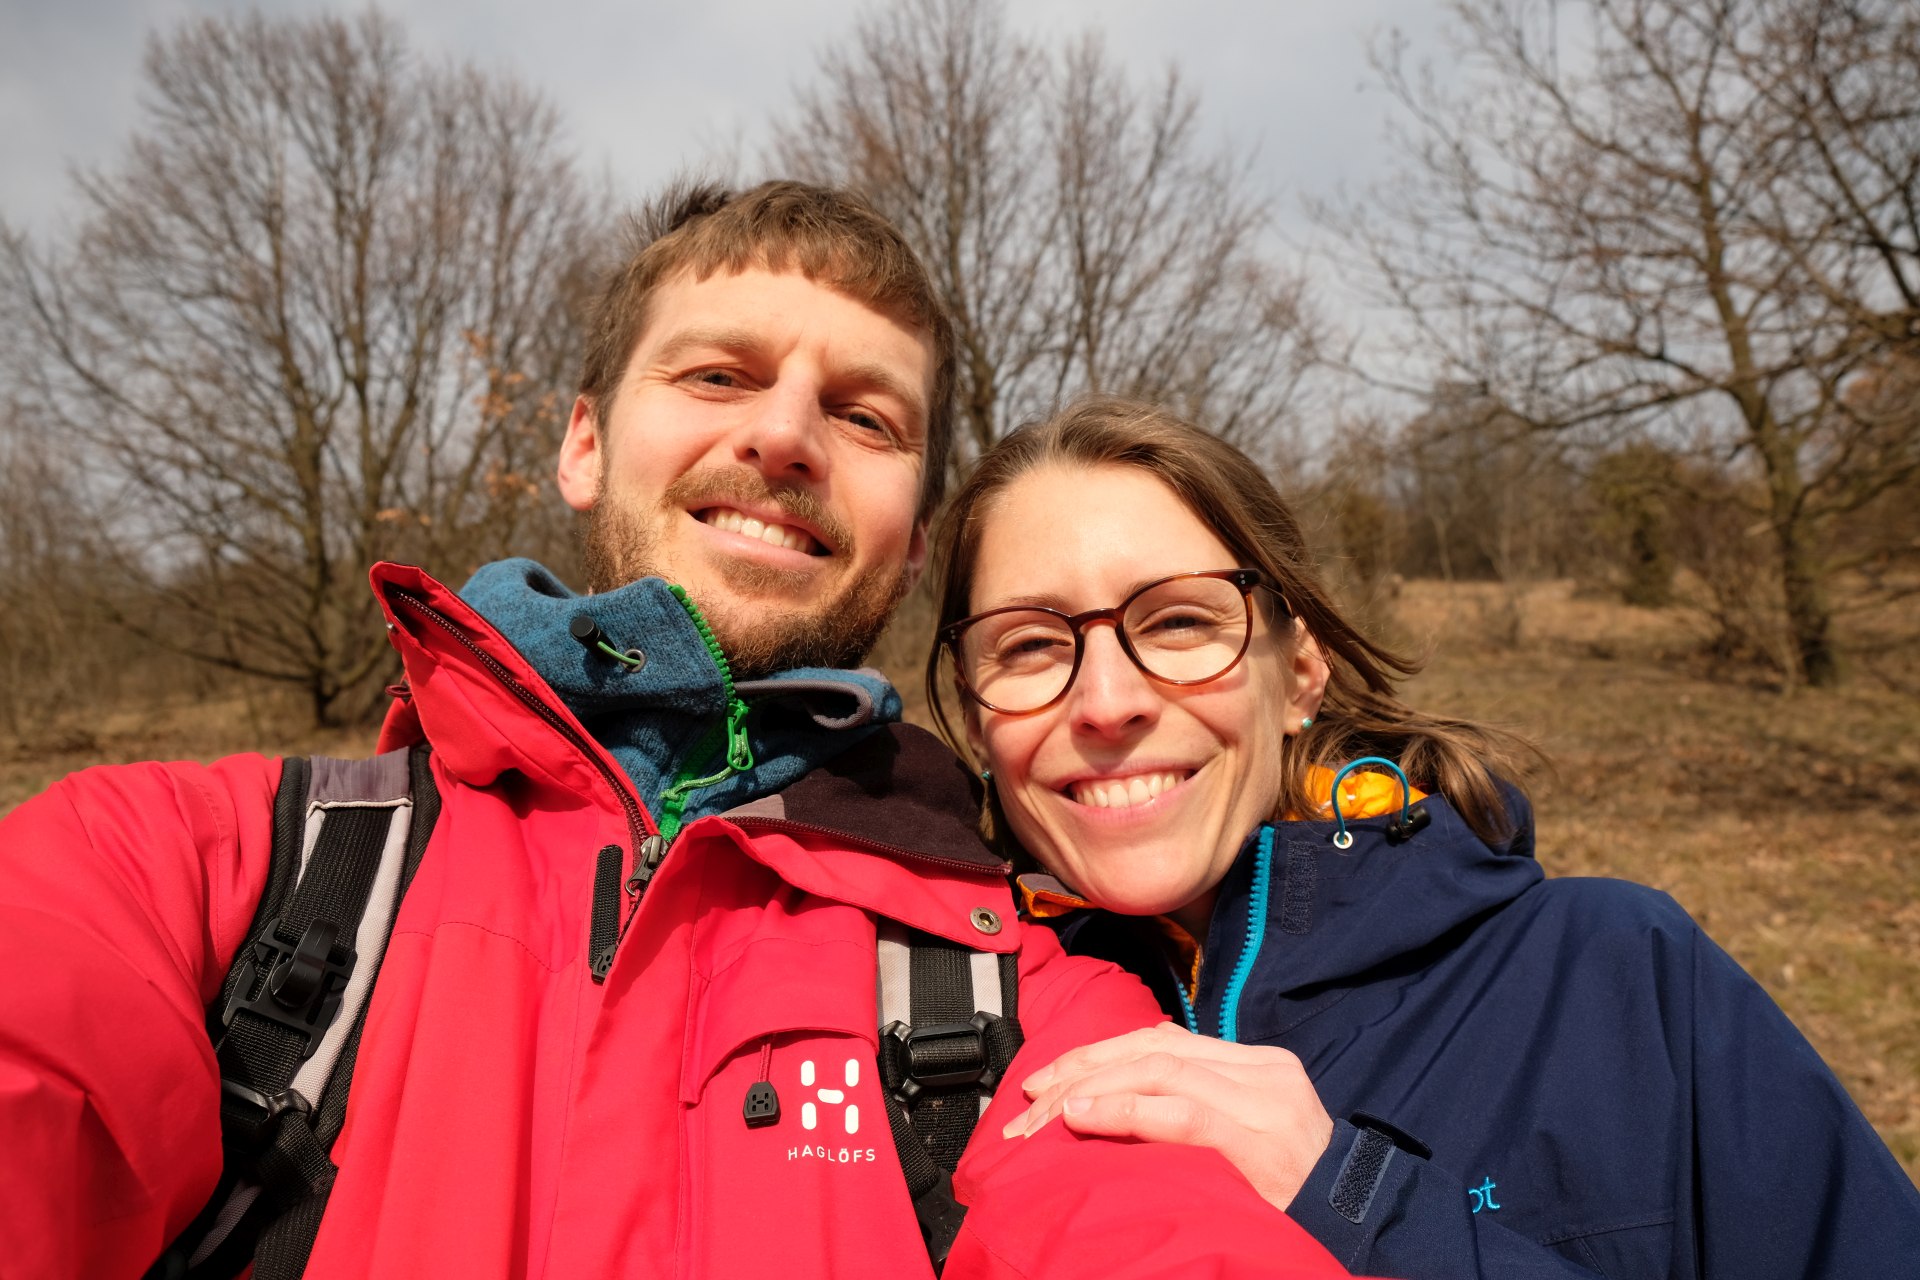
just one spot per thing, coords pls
(1185, 629)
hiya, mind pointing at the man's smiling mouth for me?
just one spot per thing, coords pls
(1124, 793)
(774, 535)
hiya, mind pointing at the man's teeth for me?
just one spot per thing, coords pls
(1123, 793)
(775, 535)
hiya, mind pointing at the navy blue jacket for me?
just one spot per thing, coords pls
(1575, 1080)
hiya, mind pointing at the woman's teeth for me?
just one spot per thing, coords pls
(1123, 793)
(774, 535)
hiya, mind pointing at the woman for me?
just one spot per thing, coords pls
(1439, 1062)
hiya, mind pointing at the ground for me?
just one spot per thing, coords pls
(1786, 821)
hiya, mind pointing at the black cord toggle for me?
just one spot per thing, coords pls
(585, 630)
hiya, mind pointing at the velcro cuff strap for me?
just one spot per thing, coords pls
(1361, 1175)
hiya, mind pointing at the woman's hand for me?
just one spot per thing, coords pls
(1251, 1103)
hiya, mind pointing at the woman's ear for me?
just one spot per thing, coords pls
(1307, 673)
(976, 741)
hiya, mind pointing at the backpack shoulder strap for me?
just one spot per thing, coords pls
(949, 1028)
(347, 837)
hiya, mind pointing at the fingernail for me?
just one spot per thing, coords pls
(1016, 1128)
(1076, 1106)
(1036, 1082)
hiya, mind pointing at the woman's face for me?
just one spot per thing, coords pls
(1185, 772)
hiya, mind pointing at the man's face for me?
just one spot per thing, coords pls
(764, 451)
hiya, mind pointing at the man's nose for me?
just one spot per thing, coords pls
(785, 435)
(1111, 697)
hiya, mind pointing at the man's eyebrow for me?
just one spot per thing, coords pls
(721, 337)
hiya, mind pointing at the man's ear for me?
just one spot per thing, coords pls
(916, 553)
(582, 456)
(1307, 673)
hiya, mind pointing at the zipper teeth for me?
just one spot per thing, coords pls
(1186, 1005)
(1256, 933)
(637, 823)
(785, 824)
(706, 635)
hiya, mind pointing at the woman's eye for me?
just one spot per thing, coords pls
(716, 378)
(865, 420)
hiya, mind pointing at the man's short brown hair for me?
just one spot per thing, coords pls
(832, 237)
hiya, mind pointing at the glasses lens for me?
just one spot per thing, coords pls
(1188, 629)
(1017, 660)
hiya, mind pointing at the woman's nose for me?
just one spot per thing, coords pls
(1111, 696)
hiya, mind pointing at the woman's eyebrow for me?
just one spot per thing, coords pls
(1050, 600)
(1042, 601)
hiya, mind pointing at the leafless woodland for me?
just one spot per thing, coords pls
(1644, 314)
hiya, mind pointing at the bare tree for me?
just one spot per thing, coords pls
(317, 317)
(1490, 494)
(1081, 233)
(1688, 220)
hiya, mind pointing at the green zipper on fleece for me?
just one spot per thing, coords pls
(739, 751)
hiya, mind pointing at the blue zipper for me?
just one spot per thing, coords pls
(1256, 933)
(1186, 1005)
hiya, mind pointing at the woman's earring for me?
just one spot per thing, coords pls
(986, 776)
(1306, 723)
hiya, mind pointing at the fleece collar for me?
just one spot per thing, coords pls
(661, 719)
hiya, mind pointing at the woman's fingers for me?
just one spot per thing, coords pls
(1164, 1038)
(1152, 1073)
(1252, 1103)
(1276, 1164)
(1143, 1118)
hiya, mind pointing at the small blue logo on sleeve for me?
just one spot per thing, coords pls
(1483, 1196)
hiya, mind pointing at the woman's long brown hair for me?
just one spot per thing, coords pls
(1361, 713)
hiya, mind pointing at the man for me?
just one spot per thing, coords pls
(670, 818)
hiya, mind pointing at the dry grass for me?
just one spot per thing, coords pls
(1784, 821)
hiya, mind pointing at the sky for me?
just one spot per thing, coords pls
(648, 88)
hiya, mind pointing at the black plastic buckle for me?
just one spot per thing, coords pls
(924, 1057)
(249, 1118)
(303, 983)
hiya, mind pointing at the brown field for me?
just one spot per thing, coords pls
(1787, 822)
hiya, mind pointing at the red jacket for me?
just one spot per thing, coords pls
(510, 1117)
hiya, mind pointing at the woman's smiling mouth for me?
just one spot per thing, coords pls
(1125, 792)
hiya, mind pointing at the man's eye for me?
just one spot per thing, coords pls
(865, 420)
(716, 378)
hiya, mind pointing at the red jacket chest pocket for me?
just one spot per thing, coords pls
(792, 1024)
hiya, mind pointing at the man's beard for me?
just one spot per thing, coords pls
(621, 545)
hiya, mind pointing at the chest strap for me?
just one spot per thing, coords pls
(949, 1028)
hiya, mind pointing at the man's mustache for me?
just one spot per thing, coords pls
(717, 486)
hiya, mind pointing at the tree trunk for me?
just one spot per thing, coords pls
(1809, 619)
